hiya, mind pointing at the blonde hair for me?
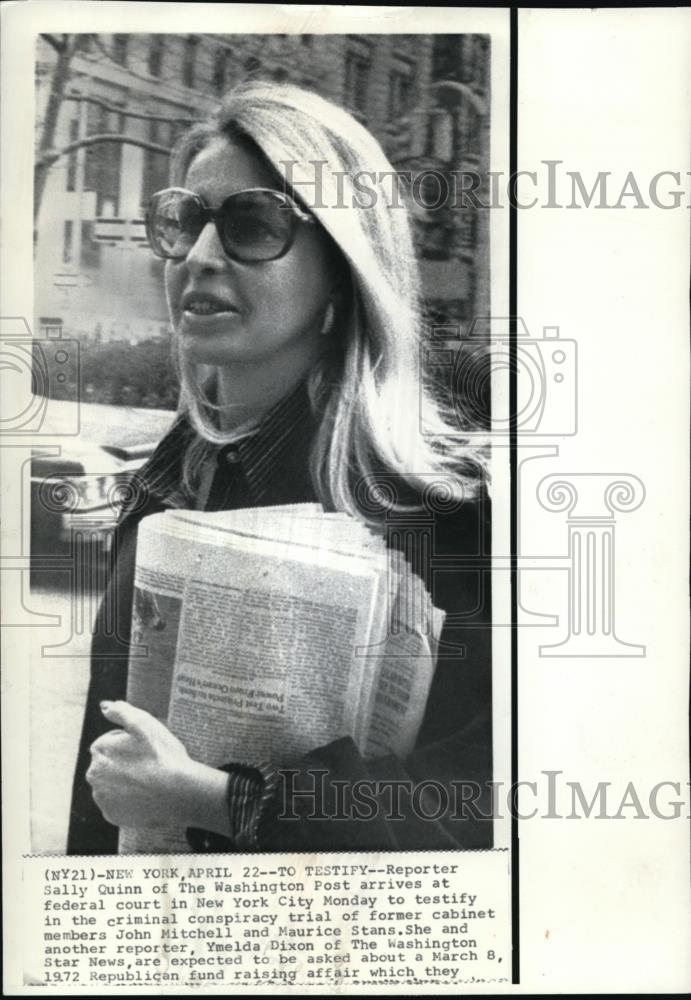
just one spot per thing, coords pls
(369, 390)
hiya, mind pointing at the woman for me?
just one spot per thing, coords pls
(294, 299)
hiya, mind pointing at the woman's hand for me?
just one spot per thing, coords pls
(141, 775)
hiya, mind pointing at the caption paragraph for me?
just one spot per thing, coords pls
(184, 920)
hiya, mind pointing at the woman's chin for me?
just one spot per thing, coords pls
(219, 350)
(241, 346)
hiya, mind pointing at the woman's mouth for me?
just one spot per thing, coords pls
(203, 304)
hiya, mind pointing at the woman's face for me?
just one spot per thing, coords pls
(265, 313)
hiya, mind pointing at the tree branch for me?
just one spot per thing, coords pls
(144, 116)
(52, 155)
(57, 89)
(53, 41)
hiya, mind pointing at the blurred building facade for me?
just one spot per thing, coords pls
(425, 97)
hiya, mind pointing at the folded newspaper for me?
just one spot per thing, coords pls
(264, 633)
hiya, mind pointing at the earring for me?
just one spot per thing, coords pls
(329, 319)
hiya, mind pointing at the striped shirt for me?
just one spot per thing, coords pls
(270, 461)
(267, 466)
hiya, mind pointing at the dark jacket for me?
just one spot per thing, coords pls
(452, 762)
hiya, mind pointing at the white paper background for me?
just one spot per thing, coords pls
(610, 90)
(600, 90)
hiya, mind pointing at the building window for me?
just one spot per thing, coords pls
(84, 42)
(67, 241)
(189, 61)
(400, 93)
(467, 231)
(468, 58)
(221, 66)
(90, 249)
(467, 125)
(120, 45)
(156, 165)
(72, 158)
(103, 161)
(483, 62)
(156, 55)
(357, 71)
(447, 57)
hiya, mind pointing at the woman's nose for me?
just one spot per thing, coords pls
(207, 252)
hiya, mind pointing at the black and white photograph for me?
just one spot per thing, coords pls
(344, 387)
(263, 300)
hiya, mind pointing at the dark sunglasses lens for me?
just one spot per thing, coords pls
(174, 223)
(256, 226)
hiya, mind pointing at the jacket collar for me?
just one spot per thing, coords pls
(272, 457)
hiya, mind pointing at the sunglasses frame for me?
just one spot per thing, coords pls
(215, 215)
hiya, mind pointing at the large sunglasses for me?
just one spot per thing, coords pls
(254, 225)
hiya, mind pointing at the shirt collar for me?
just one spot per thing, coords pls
(280, 445)
(269, 456)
